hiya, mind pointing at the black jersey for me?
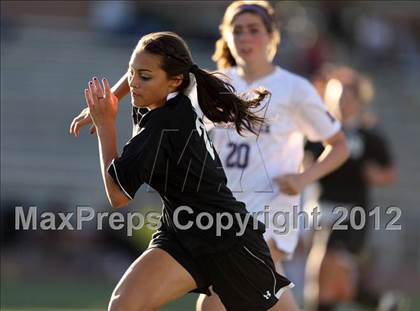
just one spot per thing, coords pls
(170, 151)
(348, 184)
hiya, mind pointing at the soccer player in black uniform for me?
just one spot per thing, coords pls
(347, 93)
(170, 151)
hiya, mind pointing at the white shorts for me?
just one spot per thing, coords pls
(286, 243)
(282, 223)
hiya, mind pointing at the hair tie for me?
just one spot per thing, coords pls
(256, 8)
(194, 68)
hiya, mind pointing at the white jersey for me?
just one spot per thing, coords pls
(294, 111)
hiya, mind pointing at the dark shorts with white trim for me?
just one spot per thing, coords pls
(244, 277)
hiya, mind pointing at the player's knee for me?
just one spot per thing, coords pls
(209, 303)
(207, 306)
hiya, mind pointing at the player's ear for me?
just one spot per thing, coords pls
(176, 81)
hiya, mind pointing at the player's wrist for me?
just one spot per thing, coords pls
(105, 127)
(307, 177)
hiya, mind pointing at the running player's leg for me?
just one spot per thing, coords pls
(330, 273)
(209, 303)
(338, 274)
(286, 300)
(313, 267)
(153, 280)
(337, 278)
(214, 303)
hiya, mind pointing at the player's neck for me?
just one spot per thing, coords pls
(253, 72)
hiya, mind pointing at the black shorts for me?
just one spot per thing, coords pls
(350, 240)
(244, 277)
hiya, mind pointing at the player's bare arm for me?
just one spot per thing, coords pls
(103, 105)
(335, 154)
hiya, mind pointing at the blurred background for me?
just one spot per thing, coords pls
(50, 49)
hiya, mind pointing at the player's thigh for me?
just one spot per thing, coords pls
(152, 280)
(279, 306)
(276, 254)
(209, 303)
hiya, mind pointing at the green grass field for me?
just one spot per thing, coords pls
(67, 296)
(88, 296)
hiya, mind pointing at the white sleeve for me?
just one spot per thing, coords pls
(311, 114)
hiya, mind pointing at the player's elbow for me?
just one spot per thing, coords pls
(118, 200)
(384, 177)
(117, 204)
(116, 196)
(340, 147)
(392, 176)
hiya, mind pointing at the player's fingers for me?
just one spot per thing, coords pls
(98, 88)
(77, 130)
(93, 101)
(73, 123)
(92, 93)
(293, 188)
(78, 125)
(92, 130)
(92, 81)
(89, 100)
(281, 178)
(292, 192)
(72, 126)
(285, 189)
(283, 182)
(107, 87)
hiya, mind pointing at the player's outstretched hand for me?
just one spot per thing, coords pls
(102, 103)
(81, 120)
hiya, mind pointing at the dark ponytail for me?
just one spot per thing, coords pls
(216, 97)
(219, 103)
